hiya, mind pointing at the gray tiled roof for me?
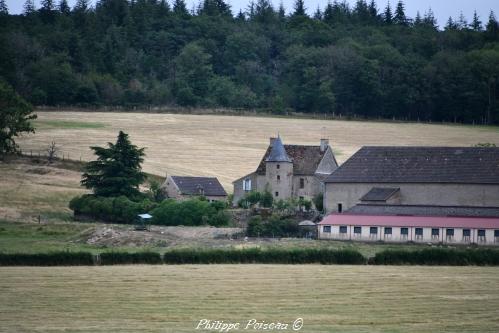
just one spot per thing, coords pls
(467, 165)
(416, 210)
(277, 152)
(192, 185)
(305, 159)
(380, 194)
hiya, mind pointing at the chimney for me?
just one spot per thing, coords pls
(324, 144)
(272, 141)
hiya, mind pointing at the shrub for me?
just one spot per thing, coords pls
(111, 209)
(319, 202)
(47, 259)
(192, 212)
(123, 258)
(274, 227)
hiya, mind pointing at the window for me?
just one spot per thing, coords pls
(373, 230)
(278, 177)
(404, 231)
(481, 236)
(247, 184)
(449, 232)
(343, 229)
(388, 231)
(357, 230)
(326, 228)
(435, 232)
(419, 232)
(302, 183)
(340, 208)
(277, 194)
(466, 235)
(496, 236)
(278, 166)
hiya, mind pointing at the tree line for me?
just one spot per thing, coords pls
(359, 61)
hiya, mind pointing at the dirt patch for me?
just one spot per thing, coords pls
(160, 236)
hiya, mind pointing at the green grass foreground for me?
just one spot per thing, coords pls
(173, 299)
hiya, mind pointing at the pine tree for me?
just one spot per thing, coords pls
(476, 24)
(117, 170)
(29, 7)
(281, 11)
(179, 8)
(47, 5)
(462, 23)
(373, 9)
(4, 10)
(81, 6)
(164, 8)
(418, 20)
(64, 7)
(388, 16)
(240, 16)
(300, 9)
(400, 17)
(429, 19)
(451, 25)
(318, 13)
(492, 27)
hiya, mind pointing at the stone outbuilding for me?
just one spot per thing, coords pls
(421, 176)
(289, 171)
(182, 187)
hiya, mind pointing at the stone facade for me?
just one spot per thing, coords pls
(289, 171)
(347, 195)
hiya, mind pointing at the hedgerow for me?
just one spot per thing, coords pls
(438, 256)
(47, 259)
(123, 258)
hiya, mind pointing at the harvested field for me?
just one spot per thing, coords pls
(228, 147)
(175, 298)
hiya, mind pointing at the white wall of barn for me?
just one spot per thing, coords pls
(397, 237)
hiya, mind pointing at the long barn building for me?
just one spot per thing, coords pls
(415, 194)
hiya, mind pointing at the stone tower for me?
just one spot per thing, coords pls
(279, 171)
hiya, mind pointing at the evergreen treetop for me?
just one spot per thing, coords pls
(117, 170)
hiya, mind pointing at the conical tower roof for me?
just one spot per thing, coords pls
(278, 153)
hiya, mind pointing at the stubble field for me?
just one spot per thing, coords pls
(175, 298)
(228, 147)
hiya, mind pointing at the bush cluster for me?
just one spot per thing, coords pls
(192, 212)
(47, 259)
(170, 212)
(438, 256)
(273, 227)
(124, 258)
(110, 209)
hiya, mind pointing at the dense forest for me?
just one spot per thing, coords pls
(357, 61)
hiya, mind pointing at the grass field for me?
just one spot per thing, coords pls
(229, 147)
(174, 298)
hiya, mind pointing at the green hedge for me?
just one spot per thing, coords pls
(192, 212)
(110, 209)
(47, 259)
(123, 258)
(438, 256)
(269, 256)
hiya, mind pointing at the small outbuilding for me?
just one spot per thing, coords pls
(183, 187)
